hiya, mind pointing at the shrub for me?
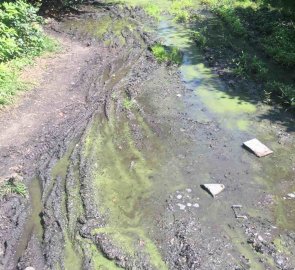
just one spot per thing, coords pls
(286, 92)
(280, 45)
(249, 65)
(231, 19)
(20, 31)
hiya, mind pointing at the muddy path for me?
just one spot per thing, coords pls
(114, 181)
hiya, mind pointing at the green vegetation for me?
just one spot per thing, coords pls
(253, 39)
(10, 187)
(250, 65)
(165, 54)
(21, 39)
(128, 103)
(199, 38)
(153, 10)
(181, 10)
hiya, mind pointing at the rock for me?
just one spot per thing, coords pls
(179, 197)
(29, 268)
(291, 195)
(196, 205)
(188, 190)
(181, 206)
(213, 189)
(189, 204)
(258, 148)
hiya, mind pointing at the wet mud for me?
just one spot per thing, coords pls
(119, 186)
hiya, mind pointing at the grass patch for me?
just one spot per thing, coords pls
(128, 103)
(199, 38)
(13, 187)
(250, 65)
(153, 10)
(286, 92)
(181, 10)
(166, 54)
(10, 84)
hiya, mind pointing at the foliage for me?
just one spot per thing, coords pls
(232, 20)
(153, 10)
(165, 54)
(281, 44)
(21, 38)
(199, 38)
(128, 103)
(180, 9)
(250, 65)
(13, 187)
(286, 92)
(20, 30)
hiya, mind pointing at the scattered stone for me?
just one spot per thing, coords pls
(178, 95)
(196, 205)
(189, 204)
(291, 195)
(179, 197)
(213, 189)
(188, 190)
(258, 148)
(181, 206)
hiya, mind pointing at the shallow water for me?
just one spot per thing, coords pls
(132, 182)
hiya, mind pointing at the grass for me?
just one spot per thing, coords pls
(10, 83)
(128, 103)
(165, 54)
(12, 187)
(181, 10)
(254, 39)
(153, 10)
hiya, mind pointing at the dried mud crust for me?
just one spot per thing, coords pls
(120, 83)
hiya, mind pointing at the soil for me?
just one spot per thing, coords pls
(114, 147)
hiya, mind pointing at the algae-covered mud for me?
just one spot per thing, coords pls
(120, 185)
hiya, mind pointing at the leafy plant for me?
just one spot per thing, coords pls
(153, 10)
(248, 65)
(165, 54)
(199, 38)
(13, 187)
(20, 30)
(286, 92)
(128, 103)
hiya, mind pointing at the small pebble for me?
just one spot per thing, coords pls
(291, 195)
(196, 205)
(181, 206)
(179, 197)
(188, 190)
(178, 95)
(189, 204)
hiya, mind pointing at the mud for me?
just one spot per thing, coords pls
(116, 183)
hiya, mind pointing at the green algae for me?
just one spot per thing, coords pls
(73, 260)
(122, 184)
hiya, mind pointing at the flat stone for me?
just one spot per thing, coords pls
(258, 148)
(181, 206)
(213, 189)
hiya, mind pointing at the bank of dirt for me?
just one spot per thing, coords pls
(114, 148)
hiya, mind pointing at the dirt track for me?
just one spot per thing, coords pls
(114, 144)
